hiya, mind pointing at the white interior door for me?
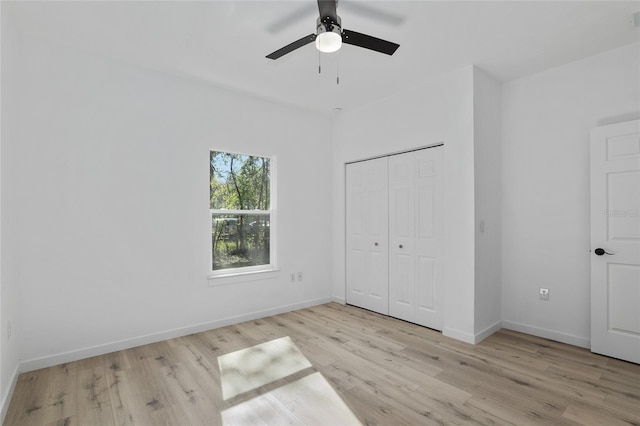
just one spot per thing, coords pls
(615, 240)
(367, 232)
(415, 237)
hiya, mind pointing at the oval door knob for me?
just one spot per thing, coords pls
(600, 251)
(375, 244)
(400, 246)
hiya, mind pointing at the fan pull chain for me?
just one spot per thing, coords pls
(319, 63)
(337, 66)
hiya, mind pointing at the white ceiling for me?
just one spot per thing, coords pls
(225, 42)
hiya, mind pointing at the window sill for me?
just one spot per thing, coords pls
(240, 277)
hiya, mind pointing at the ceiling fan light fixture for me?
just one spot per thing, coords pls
(329, 42)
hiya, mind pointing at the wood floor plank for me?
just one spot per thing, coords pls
(119, 404)
(195, 402)
(373, 410)
(624, 404)
(50, 395)
(507, 415)
(499, 356)
(526, 393)
(588, 414)
(622, 379)
(383, 370)
(93, 399)
(29, 398)
(67, 421)
(144, 392)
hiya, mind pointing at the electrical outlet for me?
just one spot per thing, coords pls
(299, 276)
(544, 294)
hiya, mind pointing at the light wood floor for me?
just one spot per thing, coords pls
(386, 371)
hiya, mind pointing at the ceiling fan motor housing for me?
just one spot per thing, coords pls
(328, 24)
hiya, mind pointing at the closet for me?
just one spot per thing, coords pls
(394, 236)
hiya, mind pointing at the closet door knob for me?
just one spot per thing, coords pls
(375, 244)
(400, 246)
(601, 251)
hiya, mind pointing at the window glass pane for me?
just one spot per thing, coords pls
(239, 182)
(239, 240)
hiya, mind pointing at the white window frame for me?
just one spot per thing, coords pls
(249, 273)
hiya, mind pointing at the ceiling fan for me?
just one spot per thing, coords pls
(330, 35)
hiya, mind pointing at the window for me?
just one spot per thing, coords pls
(242, 214)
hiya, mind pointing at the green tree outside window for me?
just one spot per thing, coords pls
(240, 204)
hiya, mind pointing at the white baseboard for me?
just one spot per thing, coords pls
(475, 338)
(548, 334)
(463, 336)
(75, 355)
(6, 398)
(479, 337)
(340, 300)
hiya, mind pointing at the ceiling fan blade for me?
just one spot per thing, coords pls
(369, 42)
(328, 8)
(293, 46)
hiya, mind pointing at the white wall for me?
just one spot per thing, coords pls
(545, 201)
(9, 349)
(487, 163)
(441, 110)
(109, 222)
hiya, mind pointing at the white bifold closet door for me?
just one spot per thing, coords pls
(394, 236)
(415, 237)
(367, 224)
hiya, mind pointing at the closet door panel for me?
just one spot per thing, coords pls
(415, 222)
(402, 291)
(367, 235)
(356, 255)
(428, 238)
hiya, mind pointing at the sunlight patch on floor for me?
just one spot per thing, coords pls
(310, 401)
(250, 368)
